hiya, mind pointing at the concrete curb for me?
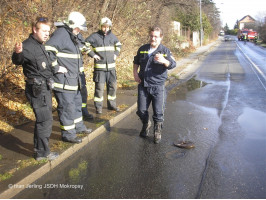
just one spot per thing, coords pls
(16, 188)
(13, 191)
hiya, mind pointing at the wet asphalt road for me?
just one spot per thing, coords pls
(222, 110)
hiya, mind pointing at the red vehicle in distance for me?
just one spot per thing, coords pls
(249, 32)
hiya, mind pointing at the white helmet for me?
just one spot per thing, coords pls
(106, 21)
(76, 20)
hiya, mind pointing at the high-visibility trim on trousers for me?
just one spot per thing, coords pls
(84, 105)
(111, 97)
(73, 126)
(103, 66)
(67, 128)
(67, 87)
(70, 113)
(97, 99)
(78, 120)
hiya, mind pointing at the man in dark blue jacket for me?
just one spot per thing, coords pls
(36, 65)
(153, 59)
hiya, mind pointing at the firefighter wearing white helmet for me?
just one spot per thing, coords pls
(105, 49)
(106, 21)
(76, 20)
(67, 65)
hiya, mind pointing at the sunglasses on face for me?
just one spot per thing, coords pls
(41, 19)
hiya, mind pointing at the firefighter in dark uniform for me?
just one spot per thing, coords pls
(36, 65)
(106, 47)
(67, 64)
(83, 90)
(255, 39)
(84, 93)
(153, 59)
(245, 38)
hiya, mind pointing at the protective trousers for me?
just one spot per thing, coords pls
(41, 102)
(69, 112)
(84, 94)
(154, 94)
(100, 78)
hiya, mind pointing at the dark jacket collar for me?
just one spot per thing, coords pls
(101, 32)
(33, 38)
(73, 37)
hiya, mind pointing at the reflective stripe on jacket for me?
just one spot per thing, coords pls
(64, 51)
(105, 46)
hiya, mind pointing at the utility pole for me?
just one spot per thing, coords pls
(200, 24)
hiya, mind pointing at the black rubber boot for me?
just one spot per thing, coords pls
(99, 110)
(86, 115)
(158, 132)
(145, 129)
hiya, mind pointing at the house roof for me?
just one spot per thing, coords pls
(246, 17)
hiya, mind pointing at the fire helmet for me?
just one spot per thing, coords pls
(76, 20)
(106, 21)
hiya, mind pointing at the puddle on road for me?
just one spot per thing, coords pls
(254, 123)
(175, 154)
(180, 91)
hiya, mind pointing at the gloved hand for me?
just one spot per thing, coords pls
(96, 57)
(62, 70)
